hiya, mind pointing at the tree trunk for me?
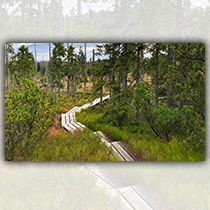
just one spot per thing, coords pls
(77, 79)
(59, 95)
(124, 80)
(101, 91)
(50, 71)
(73, 87)
(63, 83)
(137, 66)
(137, 79)
(93, 74)
(113, 75)
(35, 64)
(68, 77)
(85, 70)
(169, 99)
(169, 89)
(72, 84)
(68, 85)
(156, 76)
(13, 80)
(55, 92)
(141, 68)
(110, 91)
(124, 73)
(181, 104)
(7, 71)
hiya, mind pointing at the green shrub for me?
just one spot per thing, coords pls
(28, 115)
(168, 121)
(165, 121)
(120, 114)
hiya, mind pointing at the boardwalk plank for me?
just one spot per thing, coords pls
(122, 151)
(81, 124)
(103, 135)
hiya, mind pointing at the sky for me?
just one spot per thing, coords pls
(42, 49)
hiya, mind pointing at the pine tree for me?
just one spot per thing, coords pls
(8, 50)
(22, 64)
(58, 55)
(85, 70)
(50, 71)
(70, 70)
(35, 63)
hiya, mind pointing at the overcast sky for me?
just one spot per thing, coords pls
(42, 49)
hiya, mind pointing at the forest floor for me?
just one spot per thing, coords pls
(81, 88)
(55, 129)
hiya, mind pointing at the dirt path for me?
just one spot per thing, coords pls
(56, 129)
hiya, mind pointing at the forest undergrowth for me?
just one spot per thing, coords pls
(139, 136)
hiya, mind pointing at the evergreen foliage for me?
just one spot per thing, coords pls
(22, 64)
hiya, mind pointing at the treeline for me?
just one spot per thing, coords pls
(63, 63)
(138, 75)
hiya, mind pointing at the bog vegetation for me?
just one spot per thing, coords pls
(157, 101)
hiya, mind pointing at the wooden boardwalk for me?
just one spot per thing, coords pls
(116, 148)
(68, 121)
